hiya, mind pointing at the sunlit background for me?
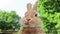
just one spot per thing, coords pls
(17, 5)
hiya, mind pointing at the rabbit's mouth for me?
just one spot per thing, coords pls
(27, 23)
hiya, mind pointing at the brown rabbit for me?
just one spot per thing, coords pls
(31, 21)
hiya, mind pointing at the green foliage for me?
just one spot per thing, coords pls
(49, 11)
(9, 20)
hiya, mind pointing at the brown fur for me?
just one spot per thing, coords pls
(35, 22)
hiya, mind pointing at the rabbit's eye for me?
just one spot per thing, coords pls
(36, 15)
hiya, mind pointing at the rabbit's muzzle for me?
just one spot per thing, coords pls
(27, 21)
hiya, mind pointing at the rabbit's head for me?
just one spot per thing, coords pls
(31, 16)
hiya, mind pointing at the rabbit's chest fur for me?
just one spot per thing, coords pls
(31, 30)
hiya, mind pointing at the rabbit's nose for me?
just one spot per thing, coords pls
(28, 19)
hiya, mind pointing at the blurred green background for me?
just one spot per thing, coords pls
(9, 20)
(49, 11)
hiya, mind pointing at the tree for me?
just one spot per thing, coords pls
(49, 11)
(9, 20)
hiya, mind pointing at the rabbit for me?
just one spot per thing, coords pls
(31, 21)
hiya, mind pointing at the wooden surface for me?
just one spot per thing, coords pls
(7, 32)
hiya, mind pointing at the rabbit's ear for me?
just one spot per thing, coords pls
(29, 6)
(35, 6)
